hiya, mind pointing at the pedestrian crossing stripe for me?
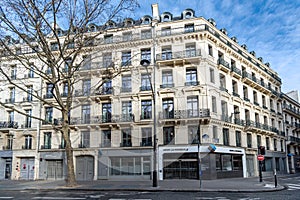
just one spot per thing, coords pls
(293, 187)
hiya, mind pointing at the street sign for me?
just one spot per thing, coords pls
(260, 157)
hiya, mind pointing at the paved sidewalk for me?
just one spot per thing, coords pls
(229, 185)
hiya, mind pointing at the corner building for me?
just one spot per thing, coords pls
(215, 104)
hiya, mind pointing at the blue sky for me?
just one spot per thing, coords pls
(271, 28)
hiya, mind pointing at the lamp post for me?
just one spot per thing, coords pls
(145, 63)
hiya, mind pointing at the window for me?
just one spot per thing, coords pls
(127, 36)
(126, 83)
(12, 95)
(215, 133)
(146, 54)
(31, 72)
(214, 104)
(107, 86)
(146, 109)
(146, 34)
(146, 137)
(223, 83)
(68, 65)
(145, 82)
(268, 143)
(85, 139)
(107, 60)
(258, 138)
(106, 138)
(210, 50)
(168, 109)
(192, 106)
(167, 79)
(224, 110)
(190, 50)
(62, 142)
(238, 138)
(29, 93)
(106, 112)
(235, 88)
(48, 115)
(212, 75)
(245, 92)
(255, 100)
(54, 46)
(108, 39)
(10, 139)
(28, 142)
(134, 166)
(191, 77)
(227, 162)
(166, 31)
(126, 138)
(86, 87)
(127, 115)
(86, 114)
(126, 58)
(226, 136)
(275, 145)
(189, 28)
(169, 135)
(282, 146)
(249, 140)
(47, 140)
(49, 90)
(193, 134)
(28, 118)
(166, 53)
(13, 74)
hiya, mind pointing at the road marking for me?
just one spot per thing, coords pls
(62, 198)
(204, 198)
(293, 188)
(6, 197)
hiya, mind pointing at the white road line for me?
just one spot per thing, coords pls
(62, 198)
(292, 184)
(293, 187)
(204, 198)
(6, 197)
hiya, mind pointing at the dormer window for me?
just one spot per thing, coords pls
(146, 19)
(92, 28)
(188, 14)
(128, 22)
(166, 17)
(110, 24)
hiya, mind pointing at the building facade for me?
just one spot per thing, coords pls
(205, 88)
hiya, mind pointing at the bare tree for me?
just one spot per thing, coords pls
(50, 37)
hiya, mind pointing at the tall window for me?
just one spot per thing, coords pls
(255, 100)
(169, 135)
(214, 104)
(168, 108)
(107, 60)
(267, 143)
(167, 79)
(86, 114)
(192, 106)
(106, 138)
(193, 134)
(275, 144)
(28, 142)
(210, 50)
(212, 75)
(249, 140)
(107, 87)
(68, 64)
(10, 139)
(126, 58)
(29, 93)
(258, 138)
(49, 90)
(48, 114)
(65, 89)
(86, 87)
(245, 92)
(282, 146)
(224, 110)
(235, 88)
(127, 111)
(146, 109)
(47, 140)
(146, 137)
(126, 83)
(127, 36)
(126, 138)
(106, 112)
(146, 54)
(12, 95)
(238, 138)
(166, 53)
(223, 82)
(191, 77)
(215, 134)
(28, 118)
(190, 50)
(13, 71)
(264, 101)
(189, 28)
(31, 72)
(226, 136)
(85, 139)
(145, 82)
(108, 39)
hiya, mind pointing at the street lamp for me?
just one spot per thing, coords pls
(145, 63)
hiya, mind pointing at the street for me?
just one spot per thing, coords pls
(291, 182)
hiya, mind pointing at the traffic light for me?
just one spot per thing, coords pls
(261, 150)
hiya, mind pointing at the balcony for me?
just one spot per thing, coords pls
(222, 88)
(8, 147)
(10, 100)
(254, 82)
(146, 143)
(45, 146)
(126, 144)
(246, 99)
(26, 147)
(256, 103)
(167, 85)
(126, 89)
(82, 93)
(146, 115)
(105, 91)
(48, 96)
(294, 140)
(8, 124)
(106, 143)
(236, 72)
(291, 110)
(223, 65)
(145, 88)
(27, 99)
(170, 55)
(127, 117)
(192, 83)
(235, 94)
(83, 145)
(184, 114)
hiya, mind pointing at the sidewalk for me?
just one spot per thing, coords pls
(219, 185)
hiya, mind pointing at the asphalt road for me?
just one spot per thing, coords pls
(291, 193)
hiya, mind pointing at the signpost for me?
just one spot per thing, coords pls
(260, 158)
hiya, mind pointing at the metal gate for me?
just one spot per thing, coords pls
(54, 169)
(84, 168)
(27, 169)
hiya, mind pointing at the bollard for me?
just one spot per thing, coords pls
(275, 177)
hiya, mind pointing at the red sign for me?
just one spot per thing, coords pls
(260, 157)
